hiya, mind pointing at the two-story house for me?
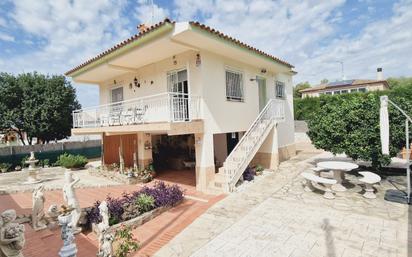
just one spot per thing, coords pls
(184, 94)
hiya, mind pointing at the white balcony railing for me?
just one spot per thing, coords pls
(165, 107)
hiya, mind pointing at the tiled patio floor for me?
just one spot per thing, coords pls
(152, 235)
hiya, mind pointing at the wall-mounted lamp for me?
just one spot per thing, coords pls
(233, 135)
(136, 82)
(174, 60)
(263, 70)
(114, 82)
(198, 60)
(130, 85)
(254, 79)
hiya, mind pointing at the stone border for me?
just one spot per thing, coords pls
(139, 220)
(114, 176)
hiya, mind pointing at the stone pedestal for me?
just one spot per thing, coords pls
(32, 170)
(69, 248)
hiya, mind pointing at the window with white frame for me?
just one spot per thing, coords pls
(234, 86)
(280, 89)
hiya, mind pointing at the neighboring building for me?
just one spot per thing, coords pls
(347, 86)
(185, 95)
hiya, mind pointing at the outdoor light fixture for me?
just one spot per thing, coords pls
(233, 135)
(174, 59)
(136, 82)
(114, 82)
(198, 60)
(130, 86)
(263, 70)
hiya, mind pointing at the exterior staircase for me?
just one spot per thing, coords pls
(249, 144)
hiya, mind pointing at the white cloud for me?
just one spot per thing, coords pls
(71, 31)
(3, 22)
(386, 43)
(304, 33)
(148, 14)
(6, 37)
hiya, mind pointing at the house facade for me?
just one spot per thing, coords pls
(183, 95)
(347, 86)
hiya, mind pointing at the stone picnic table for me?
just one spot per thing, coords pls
(338, 168)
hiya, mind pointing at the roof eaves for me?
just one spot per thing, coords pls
(118, 46)
(238, 42)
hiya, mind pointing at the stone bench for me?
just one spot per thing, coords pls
(369, 178)
(318, 170)
(310, 177)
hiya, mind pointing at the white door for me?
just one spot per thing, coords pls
(178, 86)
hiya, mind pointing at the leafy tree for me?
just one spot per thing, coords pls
(350, 124)
(399, 82)
(40, 106)
(298, 87)
(324, 81)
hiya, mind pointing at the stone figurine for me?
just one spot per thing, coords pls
(106, 249)
(11, 235)
(71, 200)
(104, 224)
(37, 215)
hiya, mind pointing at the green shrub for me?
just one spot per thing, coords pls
(304, 108)
(350, 124)
(5, 167)
(145, 203)
(70, 161)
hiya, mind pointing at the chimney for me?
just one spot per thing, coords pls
(142, 28)
(379, 74)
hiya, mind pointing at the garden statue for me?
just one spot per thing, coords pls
(106, 249)
(37, 214)
(71, 200)
(69, 248)
(11, 235)
(104, 224)
(53, 212)
(121, 160)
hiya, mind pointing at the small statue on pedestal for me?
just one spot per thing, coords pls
(37, 214)
(70, 198)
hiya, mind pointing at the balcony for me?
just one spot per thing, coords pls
(160, 108)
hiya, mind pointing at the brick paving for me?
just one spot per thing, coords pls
(152, 235)
(276, 217)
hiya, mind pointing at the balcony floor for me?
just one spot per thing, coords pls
(170, 128)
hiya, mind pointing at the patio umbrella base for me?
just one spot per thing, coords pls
(396, 196)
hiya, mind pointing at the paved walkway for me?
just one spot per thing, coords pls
(152, 235)
(276, 217)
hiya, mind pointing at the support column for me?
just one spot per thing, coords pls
(144, 156)
(205, 164)
(268, 155)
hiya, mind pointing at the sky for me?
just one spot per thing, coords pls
(53, 36)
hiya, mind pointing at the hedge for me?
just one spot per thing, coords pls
(349, 123)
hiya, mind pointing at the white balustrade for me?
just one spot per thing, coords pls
(165, 107)
(241, 155)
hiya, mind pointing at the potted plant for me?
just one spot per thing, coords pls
(150, 167)
(259, 170)
(145, 176)
(4, 167)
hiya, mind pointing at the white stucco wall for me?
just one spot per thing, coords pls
(156, 72)
(209, 81)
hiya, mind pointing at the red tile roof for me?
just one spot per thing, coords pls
(167, 21)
